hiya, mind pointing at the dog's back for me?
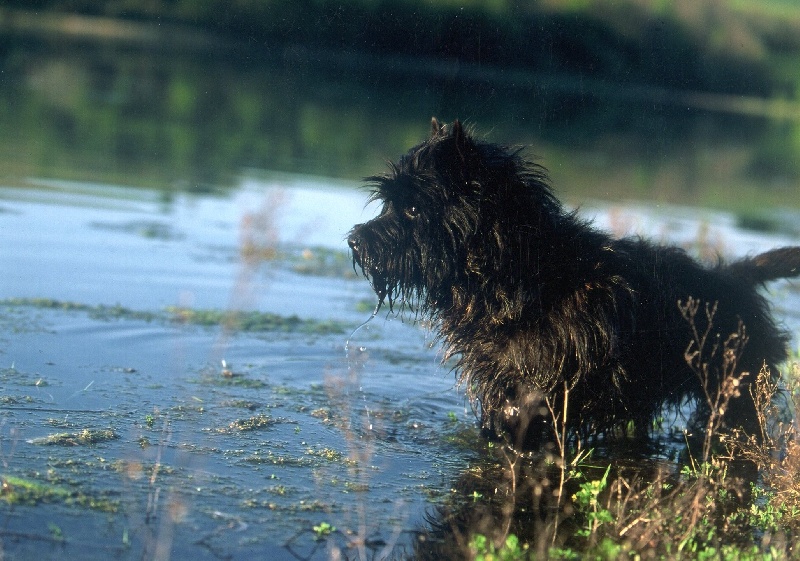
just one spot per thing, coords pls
(664, 278)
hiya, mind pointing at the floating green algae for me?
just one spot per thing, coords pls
(83, 438)
(99, 311)
(252, 423)
(241, 404)
(247, 321)
(233, 380)
(254, 321)
(321, 261)
(18, 490)
(20, 378)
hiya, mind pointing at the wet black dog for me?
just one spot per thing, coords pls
(534, 302)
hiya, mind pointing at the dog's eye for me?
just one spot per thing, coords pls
(411, 212)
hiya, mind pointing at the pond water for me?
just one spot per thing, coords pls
(182, 373)
(168, 426)
(203, 455)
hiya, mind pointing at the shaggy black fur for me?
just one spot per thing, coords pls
(533, 300)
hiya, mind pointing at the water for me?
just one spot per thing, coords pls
(134, 218)
(246, 456)
(289, 431)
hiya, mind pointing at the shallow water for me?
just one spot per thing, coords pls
(209, 458)
(158, 433)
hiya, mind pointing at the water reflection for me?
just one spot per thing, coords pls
(196, 120)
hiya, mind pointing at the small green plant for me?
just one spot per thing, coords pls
(587, 501)
(55, 532)
(323, 530)
(483, 549)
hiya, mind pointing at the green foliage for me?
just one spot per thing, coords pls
(572, 36)
(511, 550)
(587, 502)
(767, 512)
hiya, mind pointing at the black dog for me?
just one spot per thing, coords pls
(535, 302)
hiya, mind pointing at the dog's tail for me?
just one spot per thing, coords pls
(771, 265)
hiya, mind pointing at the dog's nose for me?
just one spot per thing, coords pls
(354, 243)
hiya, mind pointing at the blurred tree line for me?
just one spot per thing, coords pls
(709, 45)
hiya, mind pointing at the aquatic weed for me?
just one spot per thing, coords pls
(246, 321)
(323, 530)
(100, 311)
(82, 438)
(322, 262)
(253, 321)
(18, 490)
(250, 424)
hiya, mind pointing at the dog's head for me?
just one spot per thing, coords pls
(450, 206)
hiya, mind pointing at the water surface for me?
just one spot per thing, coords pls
(174, 427)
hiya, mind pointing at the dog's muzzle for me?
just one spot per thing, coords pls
(354, 241)
(356, 247)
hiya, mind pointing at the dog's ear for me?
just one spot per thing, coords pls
(458, 132)
(462, 140)
(437, 129)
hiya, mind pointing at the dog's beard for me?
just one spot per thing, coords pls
(392, 283)
(377, 278)
(381, 287)
(404, 273)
